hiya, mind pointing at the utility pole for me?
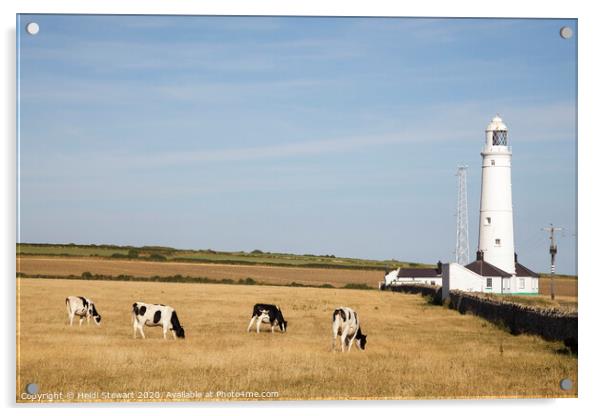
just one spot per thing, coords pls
(553, 251)
(462, 249)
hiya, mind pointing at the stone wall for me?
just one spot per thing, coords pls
(425, 290)
(550, 324)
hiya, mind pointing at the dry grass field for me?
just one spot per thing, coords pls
(414, 350)
(564, 286)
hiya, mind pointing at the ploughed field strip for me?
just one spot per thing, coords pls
(414, 349)
(65, 266)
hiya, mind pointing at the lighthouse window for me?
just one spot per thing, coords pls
(492, 162)
(488, 221)
(500, 138)
(498, 242)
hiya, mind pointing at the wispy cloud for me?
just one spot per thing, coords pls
(277, 151)
(460, 123)
(239, 55)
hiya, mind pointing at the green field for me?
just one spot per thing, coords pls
(255, 257)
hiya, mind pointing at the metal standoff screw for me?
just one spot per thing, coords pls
(32, 388)
(566, 384)
(566, 32)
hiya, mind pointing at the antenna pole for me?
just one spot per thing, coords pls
(553, 251)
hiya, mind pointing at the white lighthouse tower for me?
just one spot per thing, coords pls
(496, 229)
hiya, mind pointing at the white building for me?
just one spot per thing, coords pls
(425, 276)
(496, 269)
(482, 276)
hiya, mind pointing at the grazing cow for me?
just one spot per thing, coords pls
(268, 314)
(346, 324)
(82, 307)
(156, 315)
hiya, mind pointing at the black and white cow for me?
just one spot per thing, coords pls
(346, 324)
(156, 315)
(82, 307)
(268, 314)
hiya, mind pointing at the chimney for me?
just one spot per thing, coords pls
(480, 255)
(439, 267)
(515, 258)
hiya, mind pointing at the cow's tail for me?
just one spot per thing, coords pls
(339, 312)
(335, 313)
(67, 305)
(134, 311)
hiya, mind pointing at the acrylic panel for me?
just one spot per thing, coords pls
(231, 208)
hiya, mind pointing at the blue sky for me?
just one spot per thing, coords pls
(307, 135)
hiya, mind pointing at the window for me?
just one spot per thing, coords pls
(506, 283)
(498, 242)
(492, 162)
(500, 138)
(489, 283)
(521, 283)
(488, 221)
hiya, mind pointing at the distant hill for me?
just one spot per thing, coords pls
(255, 257)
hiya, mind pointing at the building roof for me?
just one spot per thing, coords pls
(523, 271)
(483, 268)
(480, 267)
(417, 272)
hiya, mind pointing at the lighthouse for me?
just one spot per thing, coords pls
(496, 228)
(496, 268)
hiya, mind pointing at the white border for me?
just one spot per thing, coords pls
(589, 187)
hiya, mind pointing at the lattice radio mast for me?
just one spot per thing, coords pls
(462, 248)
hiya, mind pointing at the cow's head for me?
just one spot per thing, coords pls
(95, 314)
(180, 332)
(361, 341)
